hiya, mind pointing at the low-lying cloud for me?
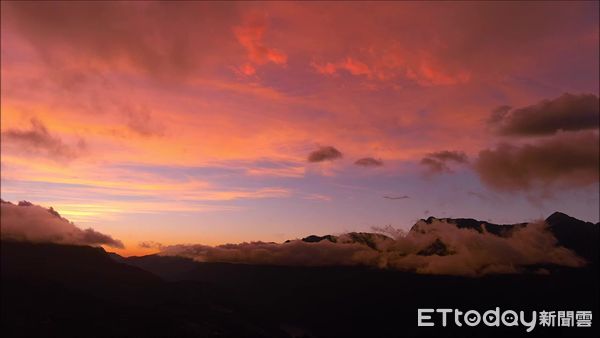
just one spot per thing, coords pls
(568, 113)
(150, 245)
(326, 153)
(564, 160)
(33, 223)
(434, 247)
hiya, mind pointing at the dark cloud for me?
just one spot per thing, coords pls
(33, 223)
(498, 114)
(150, 245)
(434, 166)
(146, 37)
(467, 251)
(369, 162)
(565, 160)
(38, 140)
(403, 197)
(446, 155)
(436, 163)
(324, 154)
(568, 112)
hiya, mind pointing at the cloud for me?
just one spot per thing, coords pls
(140, 120)
(434, 166)
(352, 65)
(436, 163)
(445, 155)
(403, 197)
(326, 153)
(250, 34)
(369, 162)
(158, 39)
(432, 247)
(297, 252)
(449, 249)
(568, 113)
(498, 114)
(39, 141)
(33, 223)
(150, 245)
(565, 160)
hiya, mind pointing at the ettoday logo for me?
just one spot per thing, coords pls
(496, 317)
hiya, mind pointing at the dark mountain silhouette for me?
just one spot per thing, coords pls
(316, 239)
(62, 290)
(167, 267)
(366, 238)
(577, 235)
(368, 302)
(51, 290)
(470, 223)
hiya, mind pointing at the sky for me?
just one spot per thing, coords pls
(201, 122)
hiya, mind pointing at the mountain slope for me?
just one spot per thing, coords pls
(71, 291)
(579, 236)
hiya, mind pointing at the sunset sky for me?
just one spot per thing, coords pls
(210, 123)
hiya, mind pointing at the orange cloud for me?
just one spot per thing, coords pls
(250, 34)
(391, 66)
(352, 65)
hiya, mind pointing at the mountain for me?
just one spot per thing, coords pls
(572, 233)
(51, 290)
(369, 302)
(369, 239)
(66, 291)
(470, 223)
(167, 267)
(579, 236)
(340, 301)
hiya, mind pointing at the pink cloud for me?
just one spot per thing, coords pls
(250, 34)
(351, 65)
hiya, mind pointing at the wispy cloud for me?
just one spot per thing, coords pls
(38, 140)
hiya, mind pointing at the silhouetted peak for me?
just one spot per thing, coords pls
(116, 257)
(558, 216)
(316, 239)
(431, 219)
(369, 239)
(25, 204)
(469, 223)
(575, 234)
